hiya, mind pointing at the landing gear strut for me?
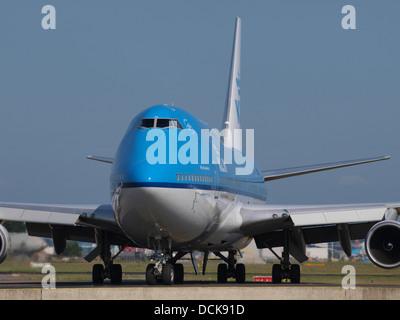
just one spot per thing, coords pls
(109, 270)
(285, 270)
(229, 270)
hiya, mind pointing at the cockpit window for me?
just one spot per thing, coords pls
(163, 123)
(166, 123)
(146, 123)
(159, 123)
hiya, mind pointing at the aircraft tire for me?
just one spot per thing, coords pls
(116, 274)
(222, 275)
(97, 274)
(276, 273)
(295, 273)
(240, 273)
(179, 273)
(150, 277)
(168, 274)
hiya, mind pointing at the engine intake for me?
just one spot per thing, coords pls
(5, 243)
(382, 244)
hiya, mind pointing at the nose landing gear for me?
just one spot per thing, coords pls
(165, 269)
(160, 273)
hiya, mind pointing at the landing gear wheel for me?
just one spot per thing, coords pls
(168, 274)
(150, 276)
(179, 273)
(240, 273)
(98, 274)
(276, 273)
(116, 273)
(295, 273)
(222, 276)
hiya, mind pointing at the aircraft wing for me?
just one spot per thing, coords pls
(312, 224)
(297, 171)
(101, 159)
(72, 222)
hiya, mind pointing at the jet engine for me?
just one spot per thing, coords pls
(5, 243)
(382, 244)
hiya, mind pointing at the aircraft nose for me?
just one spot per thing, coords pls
(138, 168)
(138, 161)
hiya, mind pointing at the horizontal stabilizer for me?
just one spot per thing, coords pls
(297, 171)
(101, 159)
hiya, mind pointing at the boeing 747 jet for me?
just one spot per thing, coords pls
(179, 186)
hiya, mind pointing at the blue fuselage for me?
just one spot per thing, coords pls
(176, 194)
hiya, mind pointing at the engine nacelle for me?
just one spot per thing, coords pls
(5, 243)
(382, 244)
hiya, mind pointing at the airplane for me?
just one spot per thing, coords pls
(177, 208)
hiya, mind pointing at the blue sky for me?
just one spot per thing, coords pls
(312, 91)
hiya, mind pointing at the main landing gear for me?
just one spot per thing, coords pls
(109, 270)
(229, 270)
(285, 270)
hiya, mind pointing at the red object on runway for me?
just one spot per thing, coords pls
(262, 279)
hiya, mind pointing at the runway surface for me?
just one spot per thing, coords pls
(18, 284)
(141, 283)
(11, 289)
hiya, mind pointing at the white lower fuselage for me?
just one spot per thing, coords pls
(192, 219)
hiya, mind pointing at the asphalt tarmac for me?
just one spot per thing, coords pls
(11, 289)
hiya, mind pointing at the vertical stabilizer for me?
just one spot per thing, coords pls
(232, 108)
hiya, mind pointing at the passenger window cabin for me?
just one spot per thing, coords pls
(195, 177)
